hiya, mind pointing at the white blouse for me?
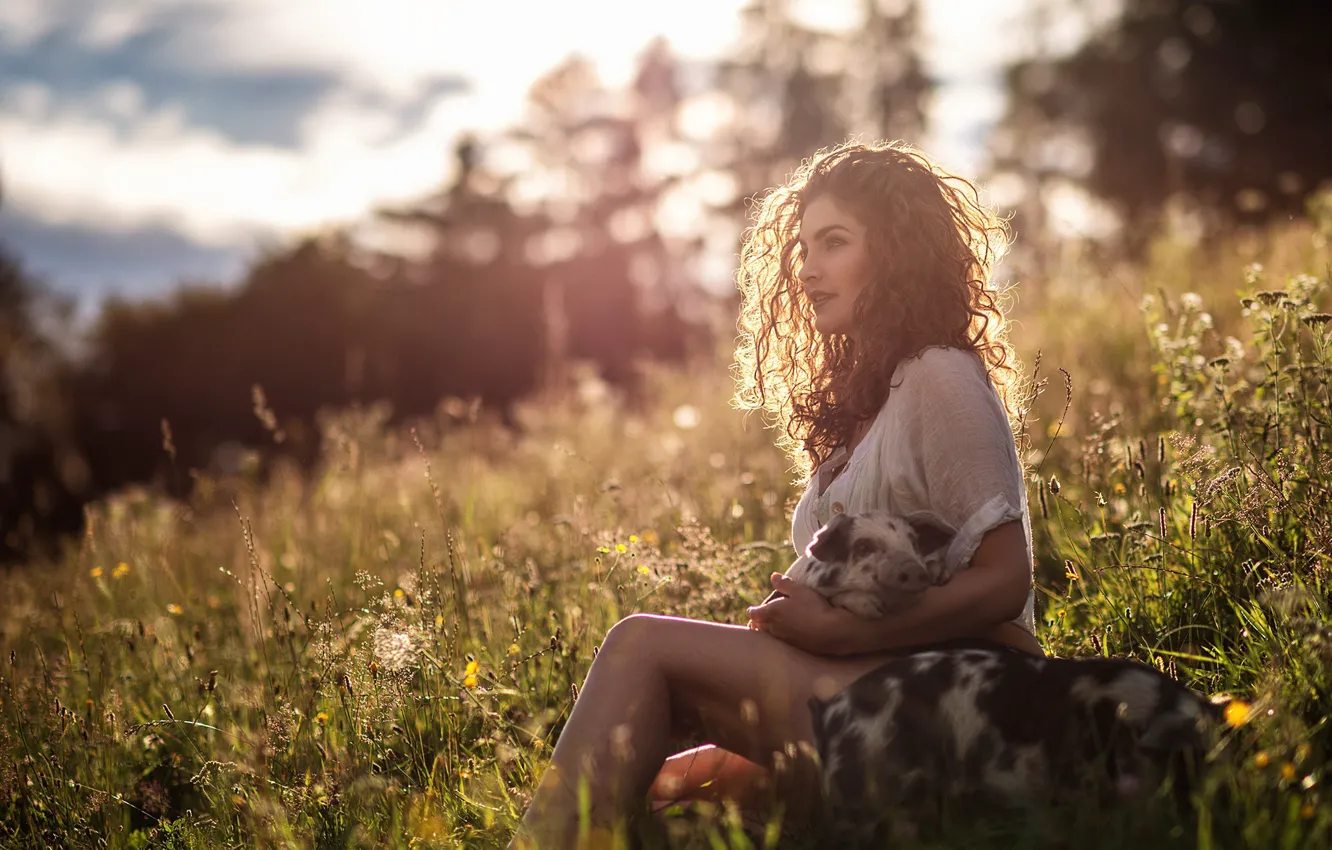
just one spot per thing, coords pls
(941, 443)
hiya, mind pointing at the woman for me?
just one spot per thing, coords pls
(872, 336)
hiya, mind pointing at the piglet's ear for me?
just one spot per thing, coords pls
(932, 533)
(830, 542)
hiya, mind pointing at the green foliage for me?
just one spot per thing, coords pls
(382, 653)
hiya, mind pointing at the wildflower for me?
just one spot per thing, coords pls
(644, 570)
(397, 593)
(122, 569)
(633, 538)
(1261, 759)
(621, 548)
(174, 609)
(469, 682)
(439, 621)
(472, 667)
(321, 718)
(394, 650)
(95, 572)
(1287, 771)
(513, 649)
(1237, 711)
(603, 550)
(1119, 489)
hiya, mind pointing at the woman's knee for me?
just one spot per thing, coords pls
(632, 633)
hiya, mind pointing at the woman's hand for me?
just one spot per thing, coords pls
(802, 618)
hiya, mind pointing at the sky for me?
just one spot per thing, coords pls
(149, 142)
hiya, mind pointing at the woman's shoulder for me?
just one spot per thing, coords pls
(939, 363)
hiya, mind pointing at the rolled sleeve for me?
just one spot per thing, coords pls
(963, 460)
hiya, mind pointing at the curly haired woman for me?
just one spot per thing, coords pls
(872, 337)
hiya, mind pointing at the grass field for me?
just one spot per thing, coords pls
(381, 655)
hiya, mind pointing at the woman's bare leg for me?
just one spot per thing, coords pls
(708, 773)
(745, 690)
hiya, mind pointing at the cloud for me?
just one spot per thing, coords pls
(158, 169)
(140, 261)
(245, 107)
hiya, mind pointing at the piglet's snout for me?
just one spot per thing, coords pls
(910, 577)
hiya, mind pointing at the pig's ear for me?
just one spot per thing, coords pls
(932, 534)
(830, 542)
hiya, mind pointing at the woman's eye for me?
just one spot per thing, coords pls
(833, 243)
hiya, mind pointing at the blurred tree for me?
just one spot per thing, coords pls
(793, 88)
(465, 317)
(1222, 105)
(291, 329)
(40, 476)
(614, 283)
(545, 247)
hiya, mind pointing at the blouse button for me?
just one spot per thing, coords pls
(838, 507)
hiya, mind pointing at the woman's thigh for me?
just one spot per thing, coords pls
(735, 687)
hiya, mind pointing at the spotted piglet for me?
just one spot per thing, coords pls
(1000, 725)
(874, 563)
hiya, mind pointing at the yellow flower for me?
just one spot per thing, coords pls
(95, 572)
(173, 608)
(439, 621)
(621, 548)
(472, 667)
(1287, 771)
(469, 682)
(122, 569)
(603, 550)
(1119, 489)
(1261, 759)
(397, 593)
(644, 570)
(513, 649)
(321, 717)
(633, 538)
(1237, 711)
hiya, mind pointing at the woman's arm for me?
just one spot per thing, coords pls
(979, 601)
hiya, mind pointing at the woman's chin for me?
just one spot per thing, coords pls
(829, 326)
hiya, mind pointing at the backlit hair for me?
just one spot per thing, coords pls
(933, 246)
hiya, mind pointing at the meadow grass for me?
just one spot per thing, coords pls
(381, 654)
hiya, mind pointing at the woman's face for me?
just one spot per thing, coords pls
(835, 263)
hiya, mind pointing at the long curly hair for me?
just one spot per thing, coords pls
(933, 246)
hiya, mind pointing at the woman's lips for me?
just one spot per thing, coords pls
(820, 300)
